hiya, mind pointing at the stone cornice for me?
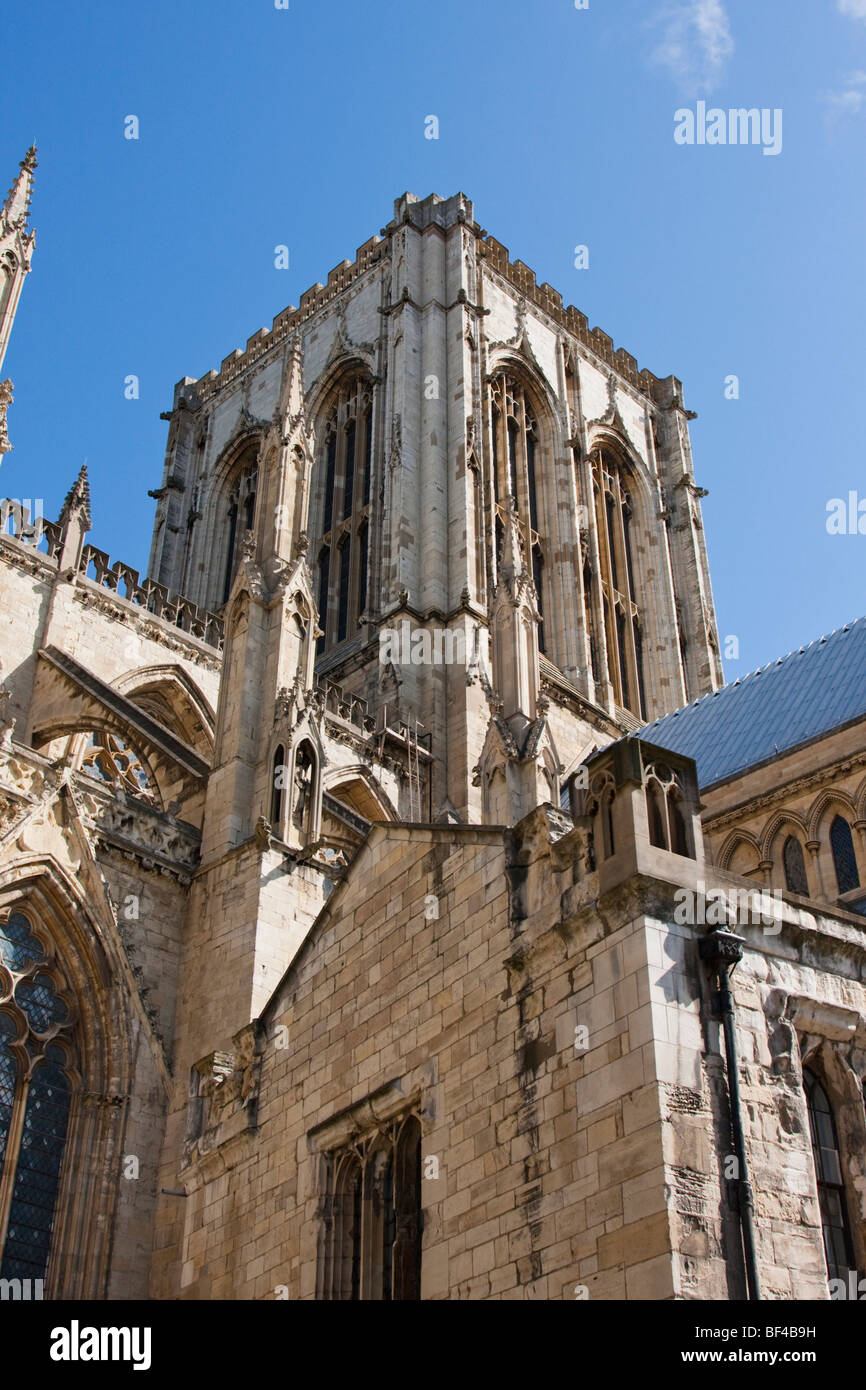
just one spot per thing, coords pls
(734, 814)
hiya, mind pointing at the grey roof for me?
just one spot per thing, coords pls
(770, 711)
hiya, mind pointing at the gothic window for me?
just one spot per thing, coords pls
(844, 858)
(835, 1224)
(114, 761)
(240, 514)
(668, 827)
(35, 1099)
(795, 867)
(614, 514)
(346, 461)
(599, 805)
(371, 1238)
(516, 461)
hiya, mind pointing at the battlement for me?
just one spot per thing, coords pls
(424, 213)
(95, 565)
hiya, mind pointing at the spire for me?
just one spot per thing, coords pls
(16, 247)
(16, 208)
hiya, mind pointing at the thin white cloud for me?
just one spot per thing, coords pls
(855, 9)
(696, 42)
(849, 98)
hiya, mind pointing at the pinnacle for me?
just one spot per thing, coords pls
(78, 496)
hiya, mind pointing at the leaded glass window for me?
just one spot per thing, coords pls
(835, 1225)
(795, 867)
(35, 1098)
(844, 858)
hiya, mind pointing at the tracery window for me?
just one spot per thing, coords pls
(345, 462)
(614, 514)
(844, 858)
(795, 867)
(35, 1098)
(515, 473)
(240, 515)
(599, 805)
(111, 759)
(835, 1225)
(371, 1237)
(665, 814)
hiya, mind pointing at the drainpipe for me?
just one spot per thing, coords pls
(723, 951)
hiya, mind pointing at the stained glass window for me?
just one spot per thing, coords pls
(35, 1097)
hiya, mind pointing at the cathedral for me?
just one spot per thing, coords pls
(395, 903)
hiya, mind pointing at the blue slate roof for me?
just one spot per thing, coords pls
(779, 707)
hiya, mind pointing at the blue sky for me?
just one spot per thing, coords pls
(261, 127)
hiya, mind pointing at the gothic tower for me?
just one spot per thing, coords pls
(436, 386)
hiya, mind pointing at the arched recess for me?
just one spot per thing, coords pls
(740, 853)
(620, 511)
(111, 754)
(789, 820)
(99, 1042)
(790, 865)
(357, 788)
(825, 806)
(303, 811)
(526, 459)
(341, 515)
(169, 695)
(229, 510)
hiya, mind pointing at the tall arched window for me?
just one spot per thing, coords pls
(240, 514)
(371, 1242)
(343, 507)
(835, 1225)
(795, 867)
(516, 473)
(623, 625)
(35, 1098)
(844, 858)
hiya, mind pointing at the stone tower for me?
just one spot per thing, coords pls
(387, 425)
